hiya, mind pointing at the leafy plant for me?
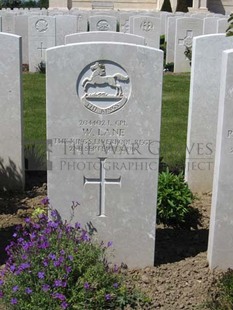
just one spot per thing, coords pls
(188, 53)
(169, 67)
(53, 265)
(229, 31)
(41, 68)
(173, 202)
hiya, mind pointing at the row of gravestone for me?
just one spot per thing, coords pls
(41, 32)
(103, 128)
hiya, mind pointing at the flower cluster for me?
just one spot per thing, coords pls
(52, 265)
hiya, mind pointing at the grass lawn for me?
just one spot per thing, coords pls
(174, 115)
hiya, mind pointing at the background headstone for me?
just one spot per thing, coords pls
(105, 141)
(11, 114)
(41, 35)
(102, 23)
(147, 27)
(186, 29)
(210, 25)
(220, 246)
(65, 24)
(21, 29)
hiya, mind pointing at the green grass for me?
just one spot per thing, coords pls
(174, 119)
(174, 115)
(34, 106)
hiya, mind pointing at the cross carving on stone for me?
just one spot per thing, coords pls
(102, 181)
(187, 40)
(41, 48)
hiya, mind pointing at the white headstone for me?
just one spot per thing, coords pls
(222, 25)
(11, 113)
(102, 23)
(210, 25)
(21, 29)
(41, 35)
(203, 110)
(220, 246)
(104, 36)
(186, 29)
(103, 119)
(124, 21)
(65, 25)
(8, 22)
(82, 20)
(170, 46)
(147, 27)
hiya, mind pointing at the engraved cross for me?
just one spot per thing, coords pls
(187, 40)
(41, 48)
(102, 181)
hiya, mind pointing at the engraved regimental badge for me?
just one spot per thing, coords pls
(103, 87)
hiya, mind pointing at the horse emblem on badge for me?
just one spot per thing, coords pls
(103, 87)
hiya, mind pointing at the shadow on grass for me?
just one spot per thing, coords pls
(174, 245)
(10, 176)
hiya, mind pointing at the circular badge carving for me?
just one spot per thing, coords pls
(146, 25)
(41, 25)
(103, 25)
(103, 87)
(188, 41)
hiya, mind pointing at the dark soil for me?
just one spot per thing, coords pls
(180, 279)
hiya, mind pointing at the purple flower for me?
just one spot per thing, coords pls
(14, 301)
(62, 252)
(15, 288)
(57, 283)
(64, 305)
(24, 256)
(70, 257)
(108, 296)
(28, 290)
(12, 268)
(77, 225)
(68, 269)
(86, 286)
(53, 224)
(52, 256)
(1, 294)
(44, 245)
(24, 266)
(56, 263)
(1, 282)
(27, 220)
(115, 285)
(59, 296)
(41, 275)
(54, 214)
(109, 244)
(45, 287)
(45, 262)
(44, 201)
